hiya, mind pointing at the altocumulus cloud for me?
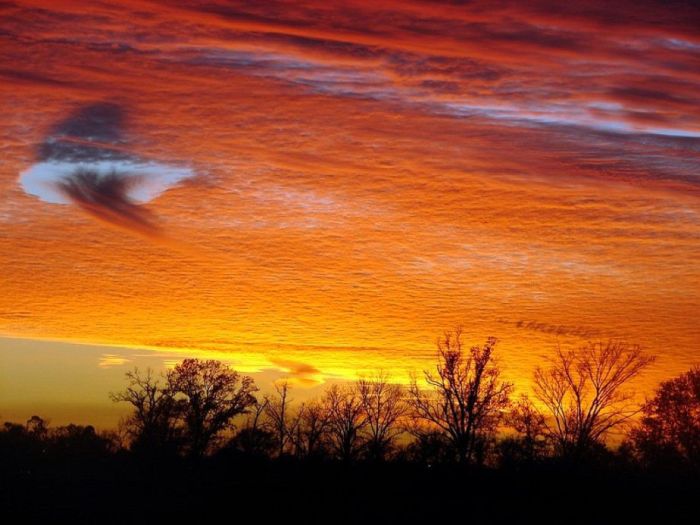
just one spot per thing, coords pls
(82, 162)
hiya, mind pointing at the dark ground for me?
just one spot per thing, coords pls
(119, 489)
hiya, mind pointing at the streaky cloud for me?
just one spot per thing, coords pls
(106, 197)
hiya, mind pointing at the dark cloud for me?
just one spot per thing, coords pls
(102, 121)
(83, 160)
(90, 133)
(106, 197)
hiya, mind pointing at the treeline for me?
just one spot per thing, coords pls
(462, 412)
(201, 444)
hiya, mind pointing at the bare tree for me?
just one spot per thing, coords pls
(310, 427)
(383, 406)
(209, 396)
(533, 439)
(255, 413)
(466, 396)
(346, 420)
(584, 393)
(253, 438)
(278, 414)
(152, 426)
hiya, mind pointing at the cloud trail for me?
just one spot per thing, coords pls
(106, 197)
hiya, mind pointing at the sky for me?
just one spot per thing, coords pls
(319, 189)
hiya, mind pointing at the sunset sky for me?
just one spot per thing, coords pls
(318, 189)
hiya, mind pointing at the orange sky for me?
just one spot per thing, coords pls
(359, 178)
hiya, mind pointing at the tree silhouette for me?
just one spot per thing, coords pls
(208, 396)
(583, 391)
(383, 405)
(80, 442)
(430, 447)
(345, 420)
(532, 440)
(254, 441)
(277, 410)
(152, 426)
(256, 412)
(310, 430)
(669, 430)
(466, 398)
(37, 426)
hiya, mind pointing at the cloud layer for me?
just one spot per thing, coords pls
(370, 174)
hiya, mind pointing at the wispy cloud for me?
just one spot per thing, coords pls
(112, 360)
